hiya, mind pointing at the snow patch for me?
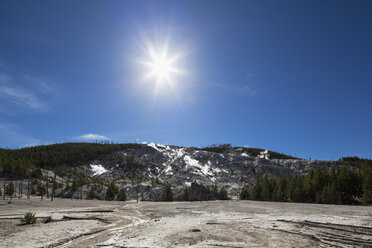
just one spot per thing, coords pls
(204, 170)
(153, 145)
(264, 155)
(97, 169)
(245, 154)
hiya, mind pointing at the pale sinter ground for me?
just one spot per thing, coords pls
(91, 223)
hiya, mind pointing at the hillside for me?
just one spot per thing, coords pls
(147, 168)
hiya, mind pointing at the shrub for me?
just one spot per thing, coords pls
(29, 218)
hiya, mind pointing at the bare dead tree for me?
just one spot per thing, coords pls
(28, 188)
(4, 187)
(20, 184)
(22, 188)
(16, 187)
(54, 185)
(62, 183)
(47, 185)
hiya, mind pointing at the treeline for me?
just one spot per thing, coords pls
(21, 162)
(344, 185)
(199, 192)
(254, 152)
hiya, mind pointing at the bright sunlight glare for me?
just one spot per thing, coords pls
(162, 66)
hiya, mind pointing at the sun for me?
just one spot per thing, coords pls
(162, 66)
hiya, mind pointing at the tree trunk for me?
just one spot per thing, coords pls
(19, 189)
(28, 189)
(54, 186)
(15, 189)
(22, 188)
(4, 188)
(47, 185)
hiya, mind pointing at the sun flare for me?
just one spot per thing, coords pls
(162, 66)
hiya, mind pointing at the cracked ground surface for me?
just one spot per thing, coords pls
(90, 223)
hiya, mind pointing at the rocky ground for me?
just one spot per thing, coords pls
(92, 223)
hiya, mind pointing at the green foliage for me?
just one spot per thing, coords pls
(254, 152)
(339, 185)
(167, 194)
(329, 195)
(37, 174)
(10, 189)
(244, 193)
(122, 196)
(187, 194)
(199, 192)
(29, 218)
(257, 189)
(41, 188)
(367, 184)
(112, 190)
(64, 156)
(222, 194)
(92, 193)
(266, 191)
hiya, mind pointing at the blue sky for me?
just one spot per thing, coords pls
(290, 76)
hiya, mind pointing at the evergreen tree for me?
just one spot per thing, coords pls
(10, 189)
(122, 196)
(187, 194)
(367, 184)
(279, 190)
(256, 192)
(290, 188)
(299, 194)
(244, 193)
(92, 192)
(112, 190)
(222, 194)
(329, 195)
(167, 193)
(266, 193)
(41, 188)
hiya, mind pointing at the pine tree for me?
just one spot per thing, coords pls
(187, 194)
(244, 193)
(222, 194)
(122, 196)
(367, 184)
(112, 190)
(256, 192)
(41, 189)
(10, 189)
(167, 193)
(266, 194)
(279, 190)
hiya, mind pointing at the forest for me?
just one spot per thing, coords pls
(348, 184)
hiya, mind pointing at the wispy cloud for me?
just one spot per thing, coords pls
(12, 136)
(22, 91)
(238, 89)
(20, 97)
(243, 87)
(92, 136)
